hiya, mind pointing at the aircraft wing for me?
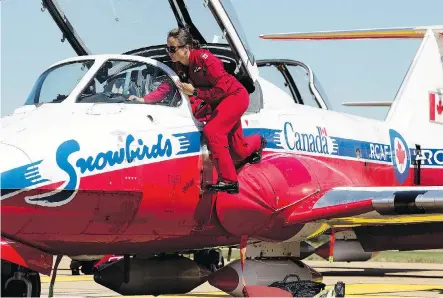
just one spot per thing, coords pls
(357, 206)
(368, 104)
(375, 33)
(382, 218)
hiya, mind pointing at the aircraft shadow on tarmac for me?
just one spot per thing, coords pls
(375, 272)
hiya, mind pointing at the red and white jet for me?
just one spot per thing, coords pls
(84, 171)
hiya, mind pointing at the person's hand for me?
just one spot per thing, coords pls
(136, 98)
(185, 87)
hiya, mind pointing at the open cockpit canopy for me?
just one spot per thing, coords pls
(140, 27)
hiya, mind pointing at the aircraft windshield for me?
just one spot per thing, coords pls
(322, 92)
(117, 26)
(57, 83)
(121, 81)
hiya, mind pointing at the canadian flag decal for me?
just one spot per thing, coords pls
(436, 107)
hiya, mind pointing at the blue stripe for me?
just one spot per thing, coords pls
(29, 175)
(348, 148)
(21, 177)
(272, 136)
(434, 157)
(189, 142)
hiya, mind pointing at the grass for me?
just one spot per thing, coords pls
(431, 256)
(419, 256)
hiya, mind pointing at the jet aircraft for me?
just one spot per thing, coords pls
(86, 172)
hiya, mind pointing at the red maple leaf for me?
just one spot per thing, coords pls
(440, 107)
(400, 154)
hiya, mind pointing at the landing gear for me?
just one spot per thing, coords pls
(19, 282)
(212, 259)
(86, 267)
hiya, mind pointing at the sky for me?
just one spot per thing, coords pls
(365, 70)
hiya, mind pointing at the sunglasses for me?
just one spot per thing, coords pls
(173, 49)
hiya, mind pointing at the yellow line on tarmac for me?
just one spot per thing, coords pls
(376, 296)
(67, 278)
(351, 289)
(364, 289)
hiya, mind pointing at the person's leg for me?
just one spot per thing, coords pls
(245, 149)
(216, 131)
(256, 156)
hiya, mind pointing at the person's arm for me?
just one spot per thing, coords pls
(195, 103)
(158, 94)
(217, 76)
(200, 109)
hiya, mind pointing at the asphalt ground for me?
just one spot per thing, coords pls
(362, 279)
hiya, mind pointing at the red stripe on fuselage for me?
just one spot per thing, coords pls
(170, 208)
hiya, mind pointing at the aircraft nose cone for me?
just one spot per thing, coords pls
(110, 276)
(226, 279)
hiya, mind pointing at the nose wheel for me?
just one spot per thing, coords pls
(19, 282)
(212, 259)
(86, 267)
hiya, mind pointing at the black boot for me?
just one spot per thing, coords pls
(229, 187)
(256, 156)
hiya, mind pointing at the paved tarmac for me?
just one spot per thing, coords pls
(362, 279)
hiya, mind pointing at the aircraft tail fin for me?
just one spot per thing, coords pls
(419, 99)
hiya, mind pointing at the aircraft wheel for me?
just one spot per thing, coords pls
(75, 267)
(21, 284)
(210, 258)
(87, 267)
(75, 271)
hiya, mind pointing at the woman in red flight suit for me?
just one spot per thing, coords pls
(227, 99)
(155, 96)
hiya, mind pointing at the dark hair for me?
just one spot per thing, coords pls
(184, 37)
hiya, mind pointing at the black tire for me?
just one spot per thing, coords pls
(87, 267)
(212, 259)
(75, 267)
(17, 288)
(75, 271)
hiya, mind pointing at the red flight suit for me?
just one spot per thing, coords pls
(224, 100)
(158, 94)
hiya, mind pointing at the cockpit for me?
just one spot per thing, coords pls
(296, 79)
(115, 81)
(119, 80)
(135, 24)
